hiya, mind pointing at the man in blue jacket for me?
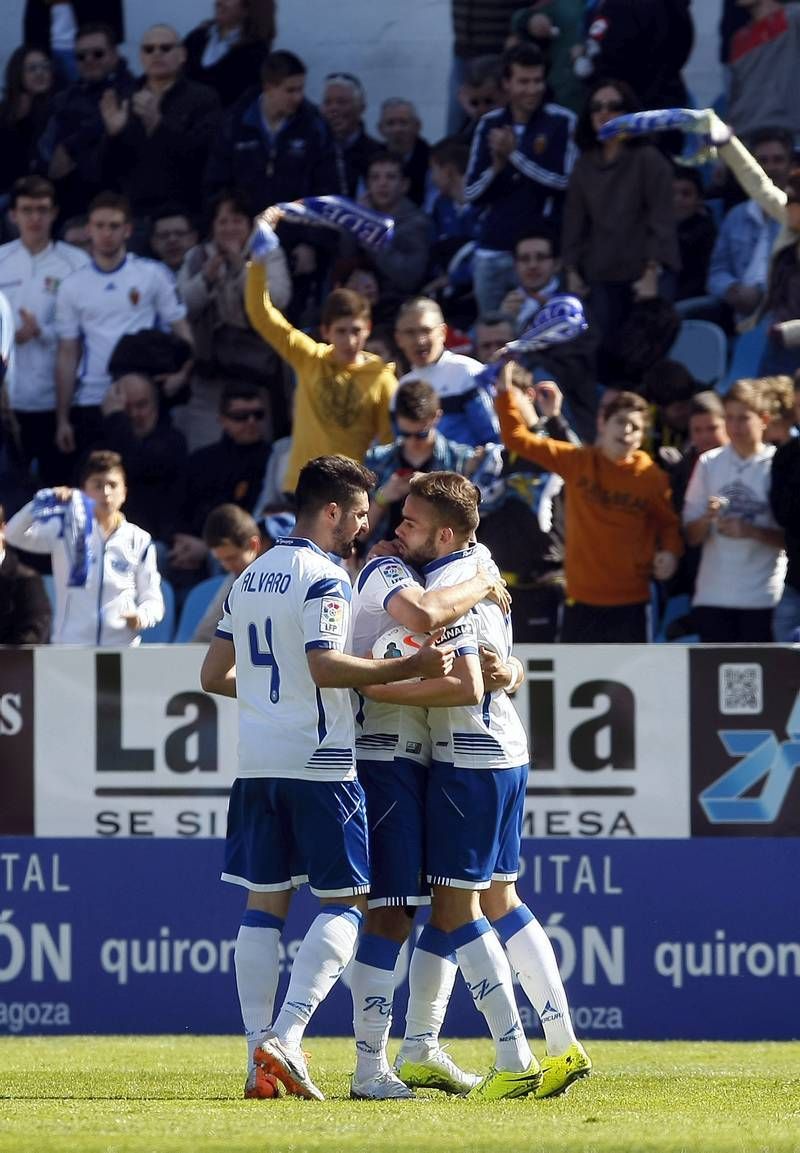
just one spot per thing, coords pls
(519, 166)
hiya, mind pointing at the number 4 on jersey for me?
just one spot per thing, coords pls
(259, 657)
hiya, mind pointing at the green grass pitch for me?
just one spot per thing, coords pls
(176, 1094)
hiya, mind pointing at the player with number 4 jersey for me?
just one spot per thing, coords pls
(296, 811)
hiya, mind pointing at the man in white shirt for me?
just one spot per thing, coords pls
(296, 810)
(31, 271)
(117, 293)
(467, 412)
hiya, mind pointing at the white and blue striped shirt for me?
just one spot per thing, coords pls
(290, 600)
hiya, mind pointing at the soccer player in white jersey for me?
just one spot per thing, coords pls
(476, 749)
(116, 294)
(393, 756)
(31, 270)
(296, 809)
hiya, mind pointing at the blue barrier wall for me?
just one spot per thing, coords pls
(656, 938)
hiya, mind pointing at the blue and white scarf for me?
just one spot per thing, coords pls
(557, 322)
(699, 149)
(77, 517)
(370, 228)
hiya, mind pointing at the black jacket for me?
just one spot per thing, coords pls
(231, 76)
(220, 473)
(785, 500)
(25, 612)
(36, 21)
(155, 467)
(167, 166)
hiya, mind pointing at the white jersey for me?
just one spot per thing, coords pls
(451, 375)
(744, 574)
(384, 731)
(99, 307)
(31, 281)
(122, 578)
(290, 600)
(489, 735)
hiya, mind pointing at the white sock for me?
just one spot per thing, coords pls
(487, 973)
(431, 976)
(326, 949)
(372, 987)
(255, 960)
(533, 960)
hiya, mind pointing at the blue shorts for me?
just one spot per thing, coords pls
(283, 832)
(395, 792)
(474, 825)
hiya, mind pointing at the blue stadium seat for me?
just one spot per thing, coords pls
(197, 601)
(676, 606)
(702, 348)
(161, 634)
(748, 349)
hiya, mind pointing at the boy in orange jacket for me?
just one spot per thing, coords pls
(621, 529)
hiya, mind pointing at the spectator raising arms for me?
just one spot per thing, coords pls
(104, 568)
(619, 224)
(342, 396)
(623, 531)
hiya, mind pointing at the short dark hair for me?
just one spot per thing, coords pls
(416, 400)
(490, 319)
(113, 200)
(384, 157)
(331, 480)
(454, 499)
(451, 151)
(280, 65)
(228, 522)
(524, 56)
(482, 68)
(239, 200)
(344, 303)
(540, 233)
(689, 175)
(706, 402)
(772, 134)
(238, 390)
(625, 402)
(668, 381)
(97, 29)
(169, 210)
(99, 461)
(35, 187)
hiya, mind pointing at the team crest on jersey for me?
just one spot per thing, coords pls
(539, 144)
(134, 296)
(331, 617)
(51, 284)
(393, 573)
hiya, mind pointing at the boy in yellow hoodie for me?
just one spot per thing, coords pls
(342, 395)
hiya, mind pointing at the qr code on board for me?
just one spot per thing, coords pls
(741, 690)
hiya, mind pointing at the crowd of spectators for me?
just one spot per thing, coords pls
(137, 335)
